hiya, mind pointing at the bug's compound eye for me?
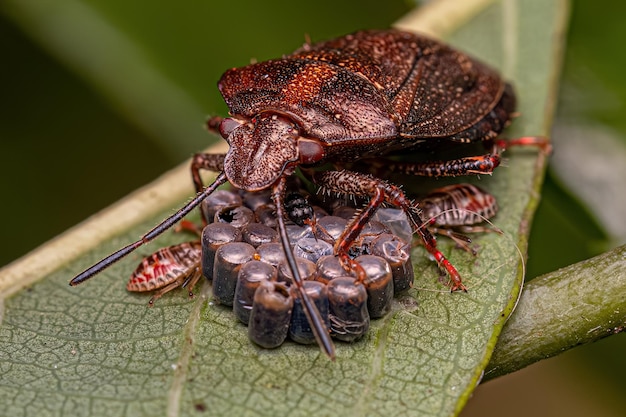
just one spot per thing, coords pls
(310, 151)
(228, 125)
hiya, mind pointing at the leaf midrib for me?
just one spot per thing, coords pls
(186, 351)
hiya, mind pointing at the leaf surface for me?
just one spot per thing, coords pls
(98, 350)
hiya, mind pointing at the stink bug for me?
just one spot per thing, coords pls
(354, 98)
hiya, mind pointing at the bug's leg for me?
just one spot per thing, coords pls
(470, 165)
(200, 162)
(379, 191)
(207, 162)
(478, 229)
(482, 164)
(152, 234)
(319, 232)
(162, 291)
(188, 226)
(320, 331)
(192, 280)
(540, 142)
(461, 240)
(213, 124)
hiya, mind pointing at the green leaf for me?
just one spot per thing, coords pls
(98, 350)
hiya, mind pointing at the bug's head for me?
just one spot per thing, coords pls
(263, 149)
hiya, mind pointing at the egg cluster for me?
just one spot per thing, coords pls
(242, 255)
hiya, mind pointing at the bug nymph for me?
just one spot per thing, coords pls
(298, 209)
(167, 269)
(459, 208)
(355, 98)
(458, 205)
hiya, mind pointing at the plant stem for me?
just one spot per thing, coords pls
(572, 306)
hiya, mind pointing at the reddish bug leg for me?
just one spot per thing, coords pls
(213, 124)
(470, 165)
(354, 183)
(540, 142)
(482, 164)
(188, 226)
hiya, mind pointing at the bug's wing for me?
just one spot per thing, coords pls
(432, 89)
(448, 95)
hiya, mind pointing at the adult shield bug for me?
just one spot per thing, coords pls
(357, 97)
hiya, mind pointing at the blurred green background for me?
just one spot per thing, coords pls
(86, 85)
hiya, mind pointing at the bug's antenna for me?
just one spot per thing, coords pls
(160, 228)
(310, 310)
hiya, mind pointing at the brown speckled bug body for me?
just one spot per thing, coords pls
(360, 96)
(363, 95)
